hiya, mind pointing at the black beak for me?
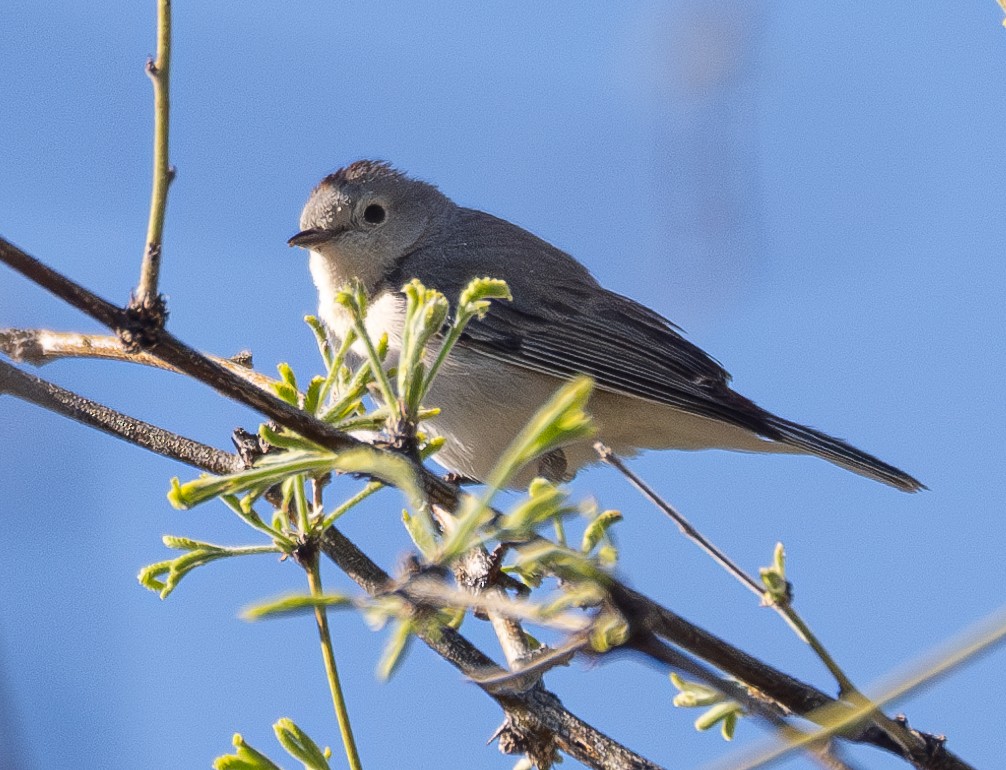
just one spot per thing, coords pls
(307, 238)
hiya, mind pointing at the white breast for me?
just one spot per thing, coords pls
(385, 313)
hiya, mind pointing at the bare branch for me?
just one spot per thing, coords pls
(67, 403)
(159, 71)
(683, 524)
(39, 347)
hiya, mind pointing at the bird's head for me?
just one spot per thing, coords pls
(362, 220)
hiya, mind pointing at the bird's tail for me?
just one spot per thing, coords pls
(834, 450)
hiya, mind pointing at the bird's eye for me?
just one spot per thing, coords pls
(374, 214)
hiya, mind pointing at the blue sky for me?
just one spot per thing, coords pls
(814, 192)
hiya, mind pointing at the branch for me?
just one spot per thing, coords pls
(67, 403)
(159, 71)
(39, 347)
(684, 525)
(927, 752)
(537, 723)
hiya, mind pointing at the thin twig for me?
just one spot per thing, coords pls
(683, 524)
(331, 670)
(159, 70)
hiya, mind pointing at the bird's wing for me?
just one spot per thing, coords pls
(561, 322)
(623, 346)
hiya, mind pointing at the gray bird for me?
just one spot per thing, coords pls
(654, 389)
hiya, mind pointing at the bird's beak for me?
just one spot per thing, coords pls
(308, 238)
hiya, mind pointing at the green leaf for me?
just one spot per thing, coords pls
(777, 589)
(354, 299)
(473, 303)
(425, 313)
(395, 649)
(435, 444)
(313, 396)
(295, 604)
(150, 575)
(363, 494)
(321, 337)
(694, 694)
(250, 516)
(474, 297)
(197, 555)
(269, 470)
(729, 725)
(607, 556)
(350, 400)
(721, 712)
(285, 439)
(561, 421)
(245, 758)
(421, 530)
(598, 529)
(608, 631)
(336, 371)
(286, 392)
(300, 746)
(542, 556)
(545, 501)
(393, 469)
(286, 375)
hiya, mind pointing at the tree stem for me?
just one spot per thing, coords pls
(327, 652)
(159, 71)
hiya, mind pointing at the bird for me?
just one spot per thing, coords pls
(653, 388)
